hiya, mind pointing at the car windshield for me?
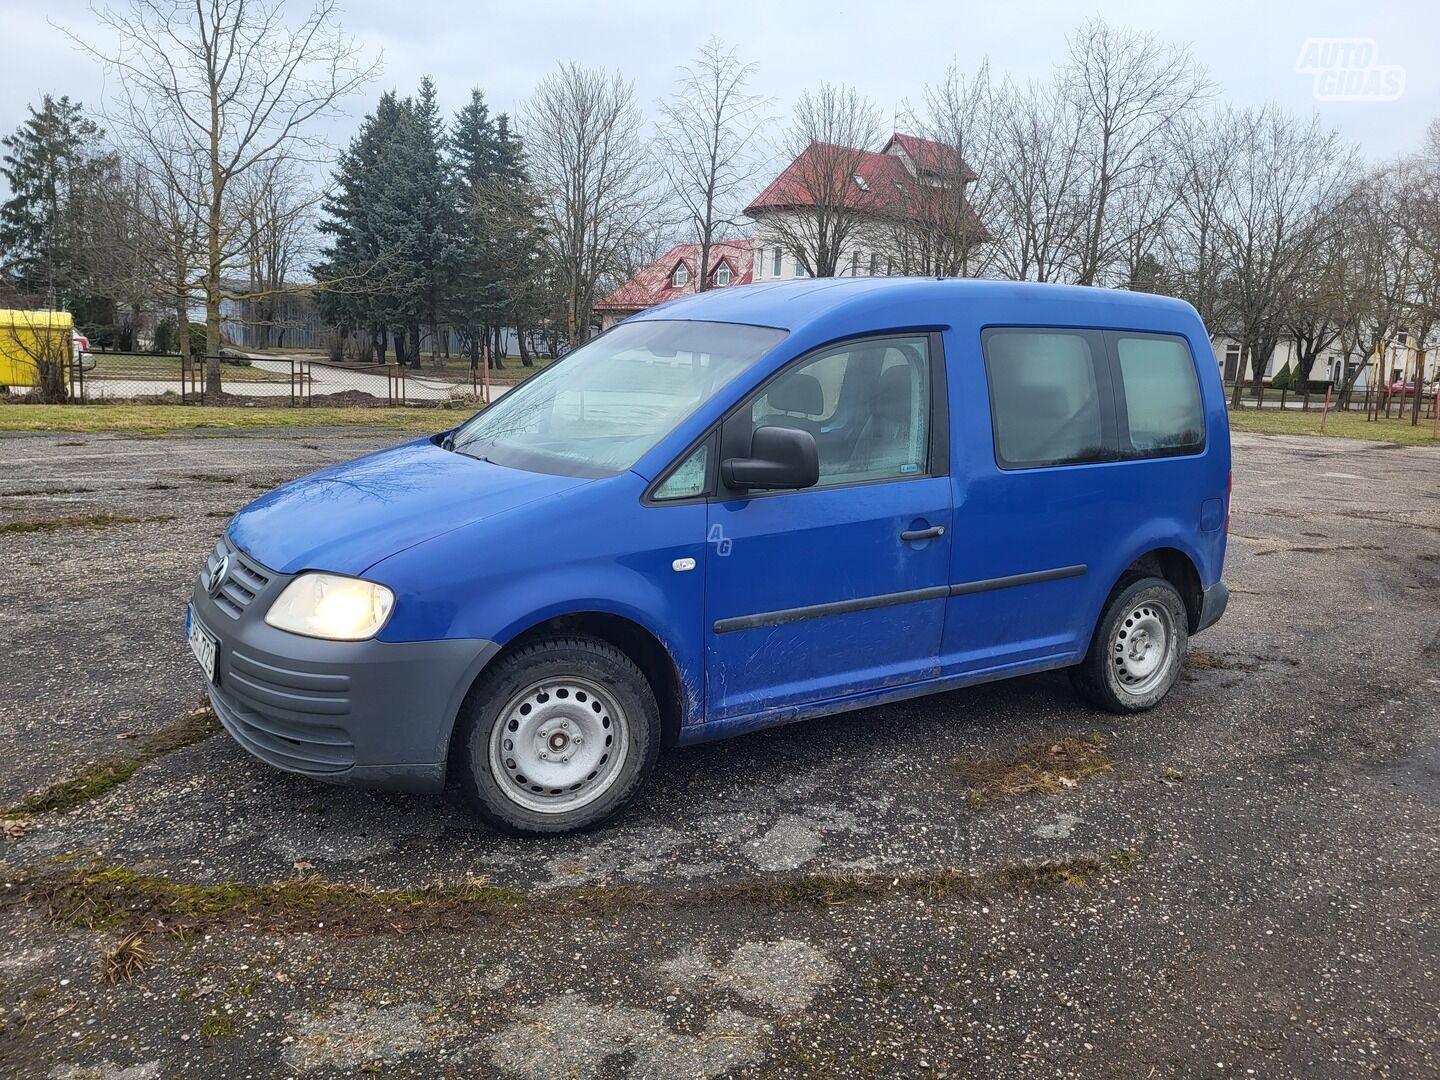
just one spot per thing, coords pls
(596, 412)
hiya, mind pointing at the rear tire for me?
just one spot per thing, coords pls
(1138, 648)
(556, 737)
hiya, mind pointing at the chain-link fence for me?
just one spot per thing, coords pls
(111, 377)
(1377, 401)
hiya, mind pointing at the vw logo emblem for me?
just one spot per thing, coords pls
(217, 579)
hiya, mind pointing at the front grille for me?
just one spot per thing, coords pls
(242, 584)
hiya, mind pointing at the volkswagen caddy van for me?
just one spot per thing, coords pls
(749, 507)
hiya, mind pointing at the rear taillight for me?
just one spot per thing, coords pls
(1229, 489)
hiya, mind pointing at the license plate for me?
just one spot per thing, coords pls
(205, 647)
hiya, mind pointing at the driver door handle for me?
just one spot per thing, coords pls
(923, 534)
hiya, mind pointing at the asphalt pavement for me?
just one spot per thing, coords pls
(1248, 890)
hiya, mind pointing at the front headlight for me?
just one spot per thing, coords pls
(331, 606)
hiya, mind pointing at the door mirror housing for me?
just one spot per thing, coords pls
(779, 458)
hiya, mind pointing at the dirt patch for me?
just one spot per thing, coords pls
(99, 777)
(1200, 660)
(127, 957)
(1316, 549)
(210, 478)
(1048, 767)
(79, 521)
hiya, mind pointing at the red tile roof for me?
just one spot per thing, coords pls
(889, 187)
(653, 286)
(929, 156)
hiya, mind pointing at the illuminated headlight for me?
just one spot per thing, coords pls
(331, 606)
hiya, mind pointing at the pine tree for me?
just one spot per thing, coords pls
(50, 163)
(394, 252)
(516, 236)
(356, 291)
(475, 300)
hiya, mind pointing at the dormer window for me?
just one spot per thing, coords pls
(722, 275)
(680, 277)
(860, 182)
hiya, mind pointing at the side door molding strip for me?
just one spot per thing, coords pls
(909, 596)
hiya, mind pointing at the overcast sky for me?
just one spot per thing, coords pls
(887, 50)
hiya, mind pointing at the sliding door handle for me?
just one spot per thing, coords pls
(923, 534)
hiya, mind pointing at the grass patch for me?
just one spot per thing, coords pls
(1048, 767)
(1074, 873)
(79, 521)
(160, 419)
(217, 1026)
(99, 777)
(97, 896)
(1342, 425)
(52, 490)
(101, 897)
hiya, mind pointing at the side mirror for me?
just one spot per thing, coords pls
(779, 458)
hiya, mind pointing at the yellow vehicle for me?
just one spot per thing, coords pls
(35, 346)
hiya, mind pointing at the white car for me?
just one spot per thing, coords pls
(80, 345)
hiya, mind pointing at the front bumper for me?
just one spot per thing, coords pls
(369, 713)
(1212, 606)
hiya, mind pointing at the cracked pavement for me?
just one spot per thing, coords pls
(1284, 802)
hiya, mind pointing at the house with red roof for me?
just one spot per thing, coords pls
(889, 204)
(677, 273)
(912, 189)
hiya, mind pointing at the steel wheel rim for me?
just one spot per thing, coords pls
(1140, 648)
(558, 745)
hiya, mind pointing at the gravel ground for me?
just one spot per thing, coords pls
(1267, 837)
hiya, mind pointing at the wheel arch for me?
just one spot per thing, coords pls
(1174, 566)
(644, 648)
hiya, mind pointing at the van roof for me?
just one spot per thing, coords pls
(790, 305)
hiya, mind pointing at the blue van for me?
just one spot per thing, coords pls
(740, 509)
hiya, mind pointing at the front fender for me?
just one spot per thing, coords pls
(603, 553)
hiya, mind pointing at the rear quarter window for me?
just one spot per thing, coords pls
(1160, 395)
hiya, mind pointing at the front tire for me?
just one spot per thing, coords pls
(1138, 649)
(557, 737)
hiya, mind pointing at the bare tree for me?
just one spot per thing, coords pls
(146, 240)
(583, 137)
(1278, 196)
(1128, 91)
(1319, 296)
(233, 85)
(1203, 148)
(1036, 217)
(817, 209)
(945, 234)
(1418, 216)
(707, 145)
(277, 205)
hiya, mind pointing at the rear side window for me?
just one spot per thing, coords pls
(1045, 396)
(1160, 394)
